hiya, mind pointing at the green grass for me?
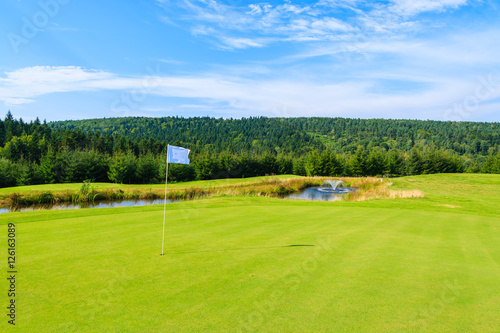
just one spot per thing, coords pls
(476, 194)
(230, 264)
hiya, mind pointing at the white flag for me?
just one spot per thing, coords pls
(177, 155)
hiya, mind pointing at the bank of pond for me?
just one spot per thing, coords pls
(303, 188)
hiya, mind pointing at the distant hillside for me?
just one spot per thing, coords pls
(299, 135)
(255, 135)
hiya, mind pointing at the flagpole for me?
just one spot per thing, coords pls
(164, 206)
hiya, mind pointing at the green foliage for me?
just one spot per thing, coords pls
(331, 165)
(177, 172)
(23, 173)
(313, 165)
(492, 164)
(358, 165)
(122, 168)
(299, 167)
(394, 162)
(7, 172)
(376, 164)
(82, 165)
(147, 169)
(87, 193)
(47, 169)
(284, 165)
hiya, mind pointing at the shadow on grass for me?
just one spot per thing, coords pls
(241, 249)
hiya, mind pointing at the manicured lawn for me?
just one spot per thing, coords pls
(267, 265)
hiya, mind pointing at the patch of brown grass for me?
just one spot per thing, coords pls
(382, 191)
(449, 206)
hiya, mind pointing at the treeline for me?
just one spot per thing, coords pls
(35, 153)
(375, 162)
(125, 167)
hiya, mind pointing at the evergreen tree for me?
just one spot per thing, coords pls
(267, 164)
(299, 167)
(284, 165)
(358, 163)
(47, 167)
(147, 169)
(415, 162)
(122, 168)
(313, 164)
(23, 174)
(395, 162)
(7, 178)
(376, 163)
(205, 167)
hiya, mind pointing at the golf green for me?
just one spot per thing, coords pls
(254, 264)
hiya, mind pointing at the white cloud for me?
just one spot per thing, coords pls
(231, 27)
(22, 85)
(17, 101)
(330, 24)
(242, 43)
(414, 7)
(279, 96)
(319, 21)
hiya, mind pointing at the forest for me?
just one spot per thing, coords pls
(133, 149)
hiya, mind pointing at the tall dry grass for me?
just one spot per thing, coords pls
(377, 189)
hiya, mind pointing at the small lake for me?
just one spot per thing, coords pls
(310, 193)
(99, 204)
(320, 194)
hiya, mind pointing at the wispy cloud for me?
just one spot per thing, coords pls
(172, 61)
(21, 86)
(414, 7)
(260, 24)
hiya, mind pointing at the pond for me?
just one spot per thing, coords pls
(330, 191)
(326, 193)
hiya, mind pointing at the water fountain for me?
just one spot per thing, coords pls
(330, 190)
(334, 183)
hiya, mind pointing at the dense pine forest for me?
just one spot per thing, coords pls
(132, 150)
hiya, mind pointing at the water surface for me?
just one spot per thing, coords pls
(99, 204)
(320, 194)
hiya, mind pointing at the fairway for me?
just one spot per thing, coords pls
(255, 264)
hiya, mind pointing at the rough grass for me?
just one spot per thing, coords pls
(375, 188)
(258, 264)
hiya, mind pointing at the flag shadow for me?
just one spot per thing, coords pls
(243, 248)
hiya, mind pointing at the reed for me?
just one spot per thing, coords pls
(381, 190)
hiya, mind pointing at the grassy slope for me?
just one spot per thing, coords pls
(377, 266)
(4, 192)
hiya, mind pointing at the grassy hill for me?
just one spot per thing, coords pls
(253, 264)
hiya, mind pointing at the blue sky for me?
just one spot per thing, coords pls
(404, 59)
